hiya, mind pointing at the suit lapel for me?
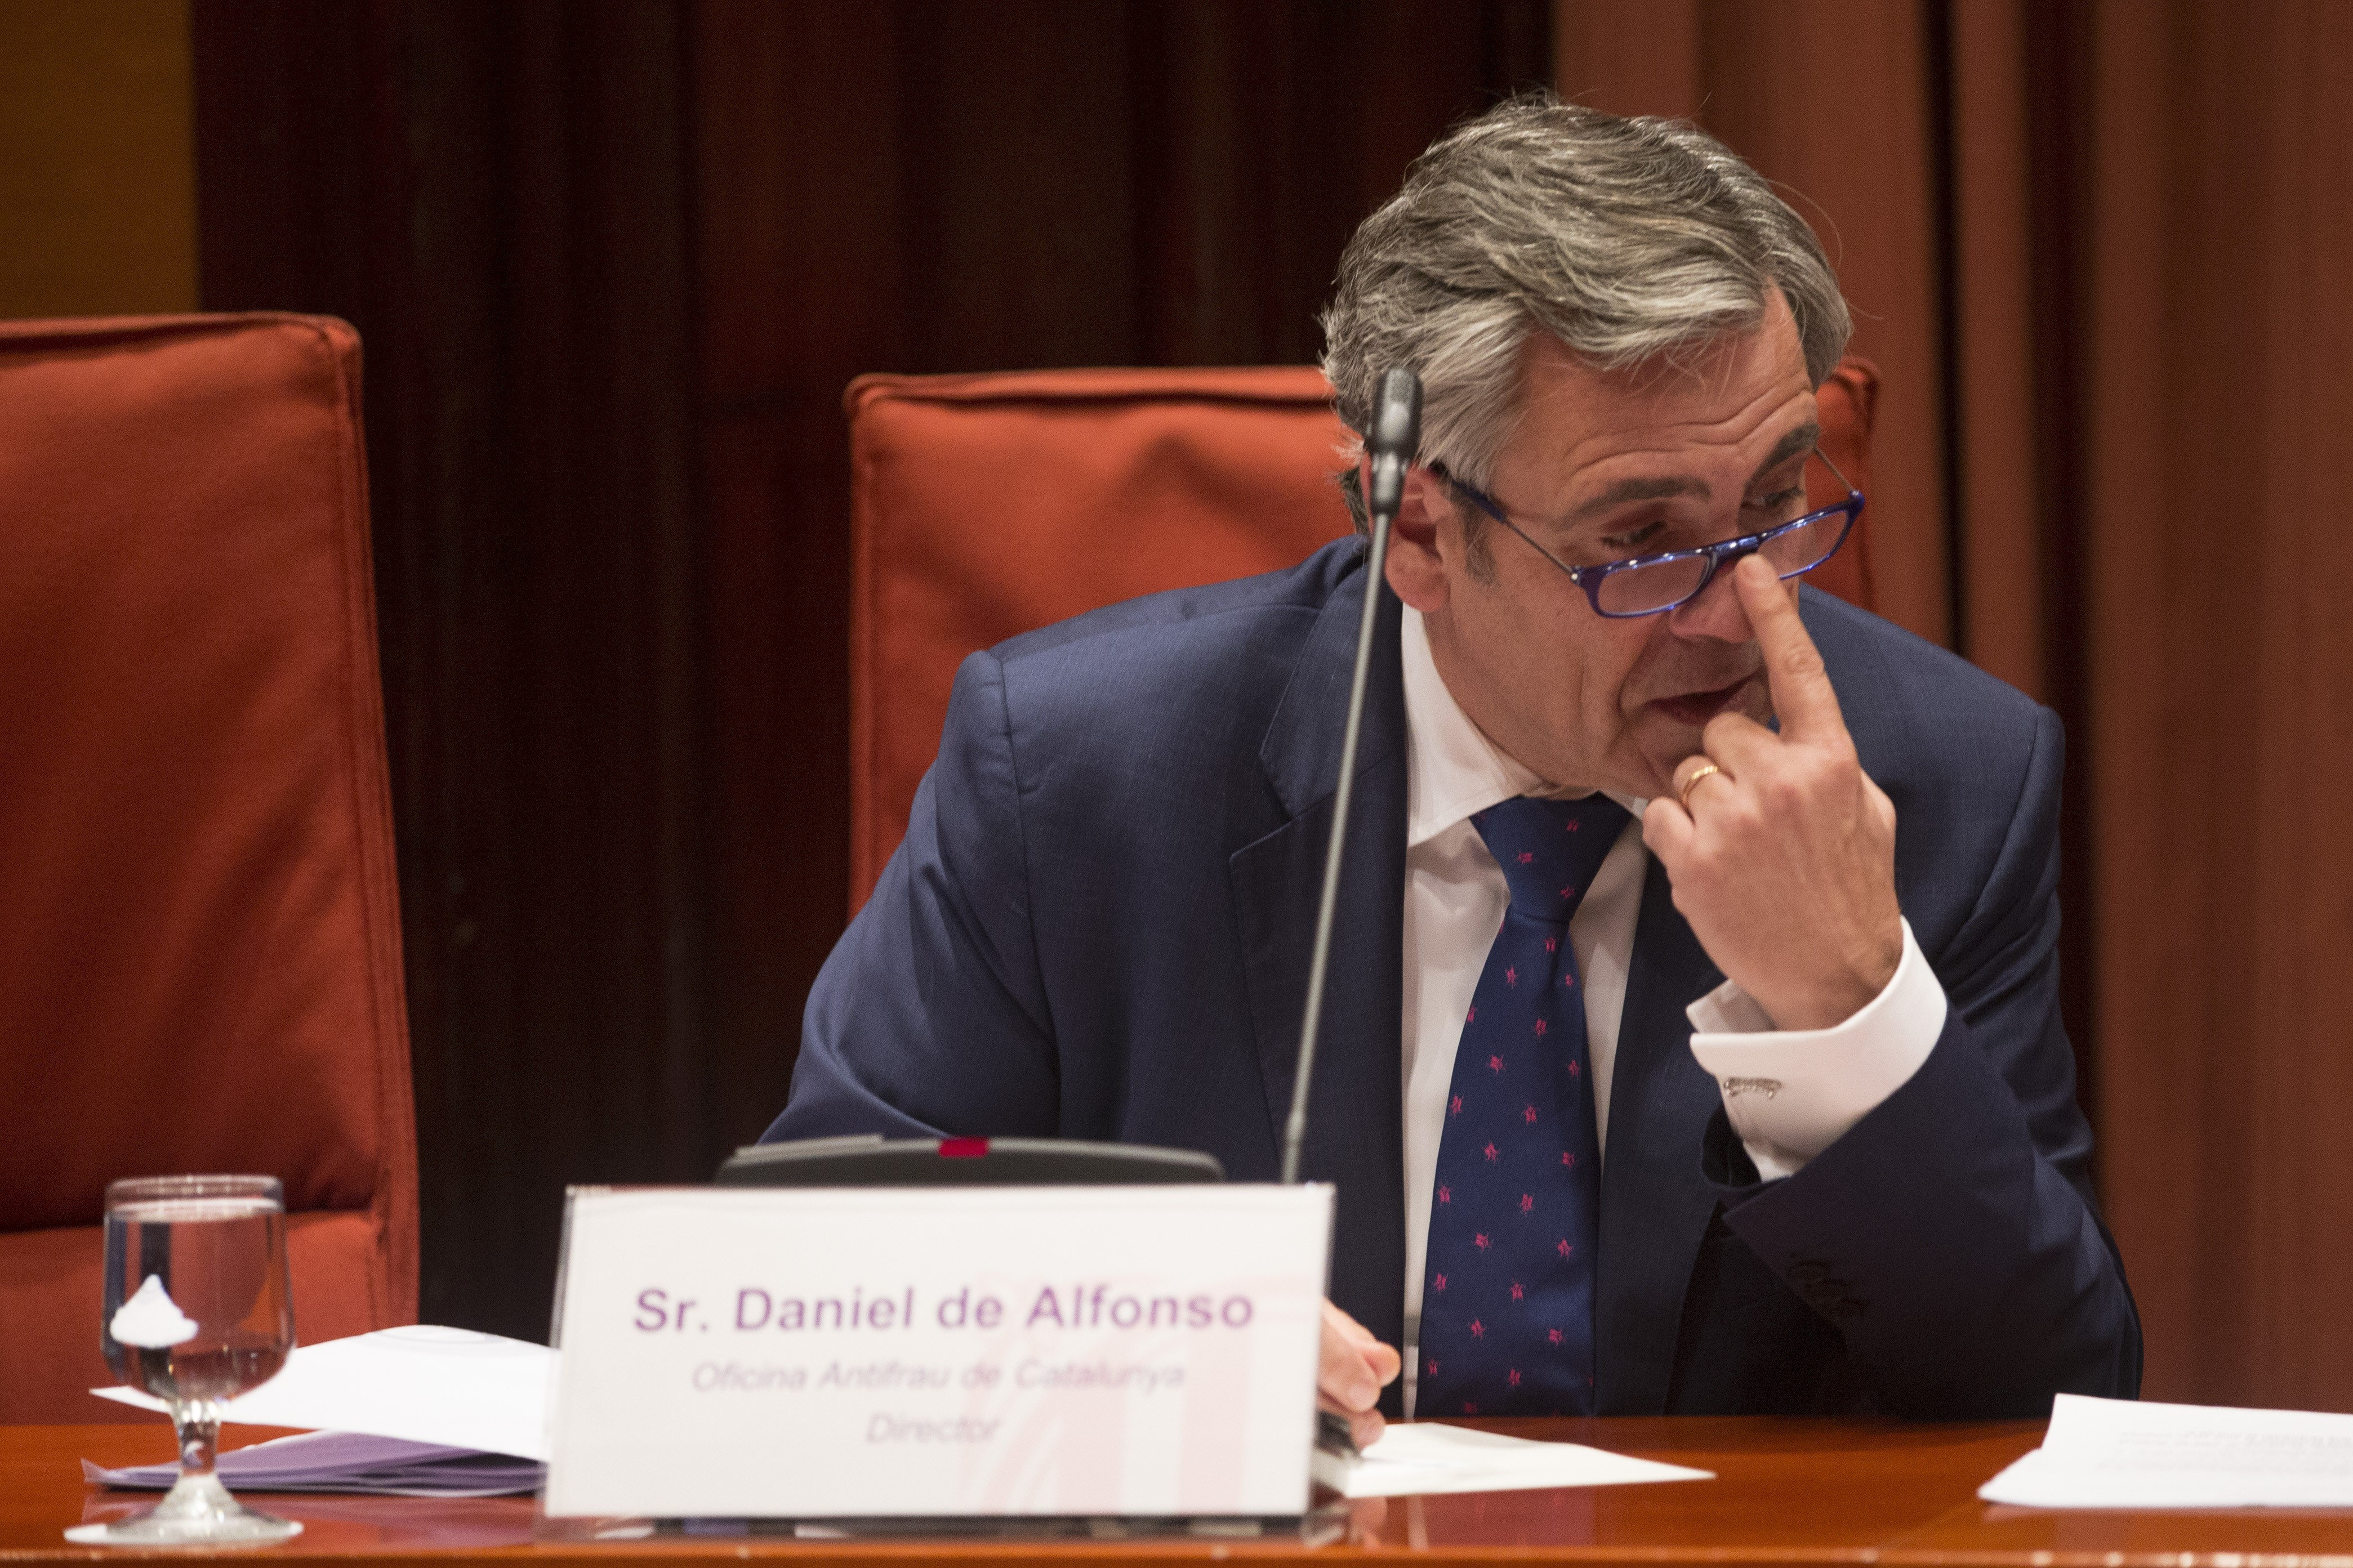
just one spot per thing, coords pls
(1655, 1204)
(1354, 1127)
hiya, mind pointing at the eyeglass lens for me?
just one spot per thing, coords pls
(1635, 590)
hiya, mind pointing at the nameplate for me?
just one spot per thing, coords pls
(823, 1353)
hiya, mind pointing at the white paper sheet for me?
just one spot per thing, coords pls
(2119, 1453)
(1417, 1459)
(424, 1384)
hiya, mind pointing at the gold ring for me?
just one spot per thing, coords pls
(1683, 796)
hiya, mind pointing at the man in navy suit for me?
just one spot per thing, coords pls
(1798, 1012)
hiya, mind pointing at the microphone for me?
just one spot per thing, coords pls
(1390, 446)
(1396, 436)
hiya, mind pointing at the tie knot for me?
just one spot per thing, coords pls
(1549, 849)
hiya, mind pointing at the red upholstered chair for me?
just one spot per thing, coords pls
(198, 911)
(983, 506)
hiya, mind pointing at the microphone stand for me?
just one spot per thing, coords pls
(1396, 436)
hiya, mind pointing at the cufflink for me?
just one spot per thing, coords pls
(1735, 1087)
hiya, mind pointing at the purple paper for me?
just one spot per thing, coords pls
(348, 1462)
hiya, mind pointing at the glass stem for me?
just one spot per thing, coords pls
(198, 1422)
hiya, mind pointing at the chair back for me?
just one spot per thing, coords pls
(199, 913)
(984, 506)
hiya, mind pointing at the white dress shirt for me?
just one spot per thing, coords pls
(1788, 1093)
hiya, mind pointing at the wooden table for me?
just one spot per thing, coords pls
(1787, 1492)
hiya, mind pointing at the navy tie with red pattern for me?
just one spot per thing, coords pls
(1507, 1291)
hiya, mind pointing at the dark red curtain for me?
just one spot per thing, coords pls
(613, 263)
(2219, 463)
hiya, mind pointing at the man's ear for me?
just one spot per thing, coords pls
(1418, 542)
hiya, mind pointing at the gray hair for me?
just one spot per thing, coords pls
(1629, 240)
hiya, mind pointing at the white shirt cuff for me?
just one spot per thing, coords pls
(1791, 1093)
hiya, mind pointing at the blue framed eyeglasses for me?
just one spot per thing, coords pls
(1653, 585)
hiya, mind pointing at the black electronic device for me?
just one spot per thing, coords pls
(873, 1161)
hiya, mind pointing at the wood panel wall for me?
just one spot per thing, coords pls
(98, 171)
(614, 264)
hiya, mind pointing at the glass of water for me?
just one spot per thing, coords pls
(196, 1312)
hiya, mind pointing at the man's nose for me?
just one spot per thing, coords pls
(1715, 612)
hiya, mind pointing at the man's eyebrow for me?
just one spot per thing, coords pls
(1799, 440)
(1626, 490)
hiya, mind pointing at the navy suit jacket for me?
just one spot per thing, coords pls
(1098, 927)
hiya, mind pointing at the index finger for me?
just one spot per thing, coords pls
(1383, 1360)
(1346, 1327)
(1802, 697)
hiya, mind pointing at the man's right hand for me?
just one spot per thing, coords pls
(1353, 1369)
(1780, 848)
